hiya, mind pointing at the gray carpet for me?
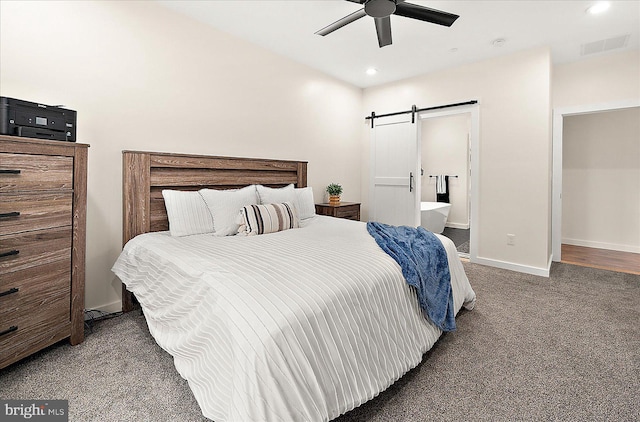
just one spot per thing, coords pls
(560, 348)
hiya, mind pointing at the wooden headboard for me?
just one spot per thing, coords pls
(146, 174)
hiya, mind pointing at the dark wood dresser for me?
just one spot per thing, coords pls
(348, 210)
(43, 201)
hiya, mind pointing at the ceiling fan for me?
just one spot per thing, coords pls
(381, 10)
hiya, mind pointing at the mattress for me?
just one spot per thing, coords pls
(298, 325)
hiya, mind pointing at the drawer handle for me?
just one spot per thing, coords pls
(9, 171)
(10, 253)
(9, 330)
(10, 291)
(10, 214)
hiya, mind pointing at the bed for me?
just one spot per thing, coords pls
(296, 325)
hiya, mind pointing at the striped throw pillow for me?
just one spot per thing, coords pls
(268, 218)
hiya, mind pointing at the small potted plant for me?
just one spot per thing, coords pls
(334, 190)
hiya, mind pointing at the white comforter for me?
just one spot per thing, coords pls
(300, 325)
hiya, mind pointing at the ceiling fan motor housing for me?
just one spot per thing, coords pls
(380, 8)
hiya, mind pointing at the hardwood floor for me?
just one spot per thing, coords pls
(625, 262)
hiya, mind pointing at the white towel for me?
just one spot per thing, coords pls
(441, 184)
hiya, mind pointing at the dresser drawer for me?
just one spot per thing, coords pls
(38, 313)
(23, 342)
(26, 212)
(24, 250)
(351, 213)
(28, 173)
(35, 294)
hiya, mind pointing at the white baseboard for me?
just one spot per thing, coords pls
(527, 269)
(457, 226)
(109, 308)
(602, 245)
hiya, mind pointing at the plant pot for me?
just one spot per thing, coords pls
(334, 199)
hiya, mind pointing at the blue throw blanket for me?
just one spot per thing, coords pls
(424, 264)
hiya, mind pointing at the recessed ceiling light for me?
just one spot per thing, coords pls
(372, 71)
(453, 50)
(599, 7)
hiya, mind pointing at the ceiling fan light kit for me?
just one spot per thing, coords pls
(381, 10)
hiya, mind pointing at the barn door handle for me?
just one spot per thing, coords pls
(10, 214)
(9, 171)
(410, 181)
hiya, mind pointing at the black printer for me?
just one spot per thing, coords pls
(35, 120)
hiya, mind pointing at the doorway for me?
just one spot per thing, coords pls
(557, 187)
(404, 181)
(445, 154)
(472, 113)
(601, 189)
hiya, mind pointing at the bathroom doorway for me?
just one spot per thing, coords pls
(410, 179)
(446, 175)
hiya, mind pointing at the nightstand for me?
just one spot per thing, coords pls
(348, 210)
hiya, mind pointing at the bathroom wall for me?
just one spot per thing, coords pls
(445, 150)
(601, 180)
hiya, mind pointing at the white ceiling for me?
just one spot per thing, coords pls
(288, 27)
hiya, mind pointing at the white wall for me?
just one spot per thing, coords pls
(445, 150)
(515, 148)
(598, 80)
(144, 78)
(601, 180)
(607, 81)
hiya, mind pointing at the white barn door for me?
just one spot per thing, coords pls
(395, 179)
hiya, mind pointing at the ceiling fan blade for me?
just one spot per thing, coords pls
(341, 22)
(426, 14)
(383, 28)
(357, 1)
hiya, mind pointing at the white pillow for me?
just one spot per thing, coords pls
(188, 213)
(276, 195)
(225, 205)
(305, 203)
(268, 218)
